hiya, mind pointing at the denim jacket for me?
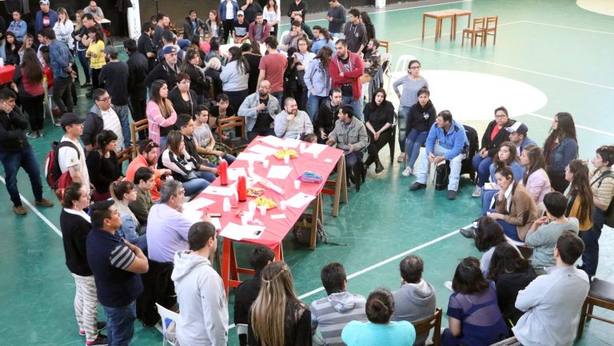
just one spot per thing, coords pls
(59, 54)
(317, 79)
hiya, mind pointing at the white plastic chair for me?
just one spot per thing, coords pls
(168, 321)
(402, 62)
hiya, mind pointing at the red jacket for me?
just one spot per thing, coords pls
(266, 31)
(350, 77)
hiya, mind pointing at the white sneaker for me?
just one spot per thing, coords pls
(406, 172)
(477, 192)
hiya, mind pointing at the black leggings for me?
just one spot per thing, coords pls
(33, 105)
(376, 146)
(227, 29)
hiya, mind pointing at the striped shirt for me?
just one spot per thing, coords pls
(122, 257)
(330, 314)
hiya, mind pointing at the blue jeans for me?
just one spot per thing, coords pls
(356, 106)
(124, 114)
(509, 230)
(120, 324)
(482, 166)
(422, 172)
(403, 115)
(590, 256)
(313, 106)
(487, 196)
(12, 161)
(415, 139)
(85, 64)
(163, 140)
(195, 186)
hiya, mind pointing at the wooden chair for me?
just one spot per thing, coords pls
(124, 155)
(233, 145)
(385, 45)
(491, 29)
(477, 30)
(601, 294)
(424, 326)
(135, 128)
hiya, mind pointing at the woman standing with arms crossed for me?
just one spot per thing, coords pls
(411, 83)
(160, 113)
(560, 148)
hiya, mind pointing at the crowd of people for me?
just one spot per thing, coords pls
(121, 225)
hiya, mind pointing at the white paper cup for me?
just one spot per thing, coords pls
(251, 207)
(245, 218)
(302, 147)
(282, 204)
(226, 204)
(262, 210)
(287, 159)
(297, 184)
(265, 163)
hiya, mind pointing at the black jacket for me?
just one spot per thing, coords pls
(74, 233)
(245, 296)
(378, 116)
(138, 68)
(197, 79)
(188, 34)
(326, 117)
(165, 72)
(421, 118)
(92, 126)
(13, 131)
(502, 136)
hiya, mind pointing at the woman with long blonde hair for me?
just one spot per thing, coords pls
(278, 317)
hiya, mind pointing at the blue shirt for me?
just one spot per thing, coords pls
(395, 333)
(453, 140)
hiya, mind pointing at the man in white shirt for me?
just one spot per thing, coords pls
(71, 157)
(101, 117)
(552, 302)
(200, 291)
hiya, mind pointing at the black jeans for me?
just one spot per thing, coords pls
(590, 257)
(33, 105)
(227, 24)
(61, 94)
(376, 145)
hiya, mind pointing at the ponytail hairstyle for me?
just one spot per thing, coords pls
(119, 189)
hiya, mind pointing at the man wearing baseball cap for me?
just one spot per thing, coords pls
(71, 156)
(166, 69)
(45, 17)
(518, 135)
(240, 28)
(16, 152)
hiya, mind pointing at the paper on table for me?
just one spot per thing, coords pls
(251, 157)
(235, 173)
(262, 149)
(315, 149)
(291, 142)
(278, 216)
(299, 200)
(198, 203)
(279, 172)
(220, 190)
(238, 232)
(193, 215)
(215, 221)
(273, 141)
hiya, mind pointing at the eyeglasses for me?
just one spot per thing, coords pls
(105, 99)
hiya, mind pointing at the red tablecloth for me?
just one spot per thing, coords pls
(276, 230)
(6, 74)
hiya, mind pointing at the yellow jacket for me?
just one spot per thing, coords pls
(95, 52)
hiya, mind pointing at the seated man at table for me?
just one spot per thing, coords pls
(94, 10)
(248, 290)
(292, 122)
(445, 142)
(259, 110)
(350, 135)
(167, 227)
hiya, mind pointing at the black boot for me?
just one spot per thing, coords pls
(379, 168)
(369, 162)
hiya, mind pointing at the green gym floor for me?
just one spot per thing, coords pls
(560, 51)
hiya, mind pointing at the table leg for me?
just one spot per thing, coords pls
(315, 215)
(438, 25)
(338, 186)
(423, 25)
(344, 185)
(226, 253)
(453, 28)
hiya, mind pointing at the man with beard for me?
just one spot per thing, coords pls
(292, 123)
(148, 157)
(259, 110)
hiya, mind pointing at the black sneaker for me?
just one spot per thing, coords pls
(417, 186)
(452, 195)
(468, 232)
(101, 340)
(379, 168)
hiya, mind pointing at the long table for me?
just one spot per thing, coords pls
(275, 229)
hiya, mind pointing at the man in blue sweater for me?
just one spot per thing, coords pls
(445, 142)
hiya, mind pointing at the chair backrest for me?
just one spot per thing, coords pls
(385, 45)
(167, 318)
(124, 155)
(424, 326)
(231, 123)
(135, 127)
(402, 62)
(479, 23)
(491, 23)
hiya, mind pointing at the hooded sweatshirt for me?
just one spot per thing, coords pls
(201, 298)
(413, 302)
(330, 314)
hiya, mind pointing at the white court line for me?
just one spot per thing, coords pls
(577, 125)
(596, 85)
(448, 34)
(570, 27)
(37, 212)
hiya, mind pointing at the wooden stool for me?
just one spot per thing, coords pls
(476, 30)
(601, 294)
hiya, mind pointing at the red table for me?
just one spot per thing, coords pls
(275, 230)
(6, 74)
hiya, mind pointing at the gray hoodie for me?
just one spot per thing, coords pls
(202, 301)
(413, 302)
(330, 314)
